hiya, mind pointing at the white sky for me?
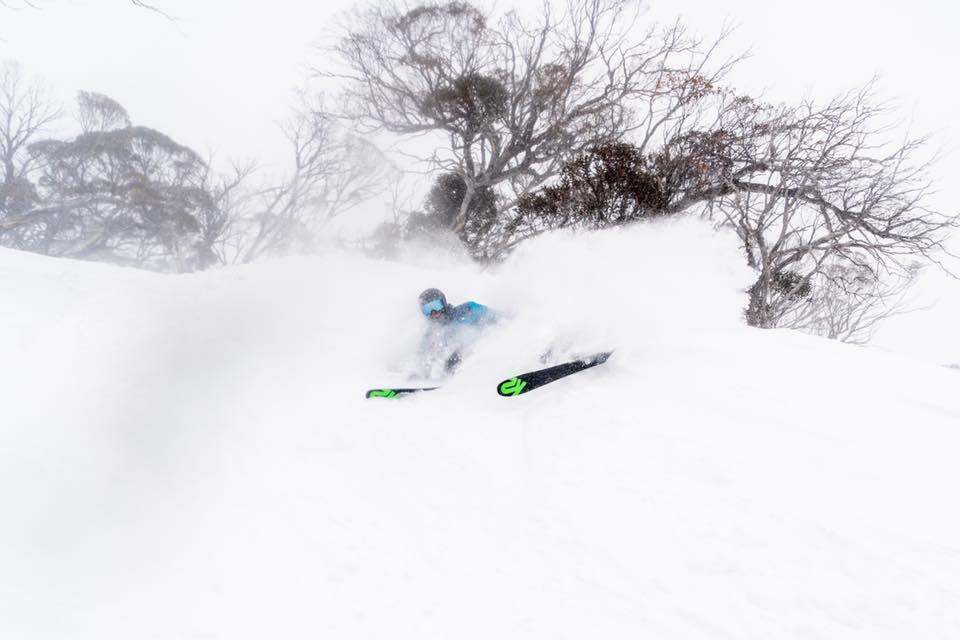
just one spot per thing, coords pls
(223, 74)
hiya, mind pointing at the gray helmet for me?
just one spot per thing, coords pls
(428, 304)
(429, 295)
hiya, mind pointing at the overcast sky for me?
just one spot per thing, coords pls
(222, 74)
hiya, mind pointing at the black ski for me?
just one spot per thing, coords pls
(526, 382)
(396, 393)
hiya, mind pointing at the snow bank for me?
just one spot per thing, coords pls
(627, 289)
(192, 456)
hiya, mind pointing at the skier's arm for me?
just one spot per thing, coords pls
(482, 314)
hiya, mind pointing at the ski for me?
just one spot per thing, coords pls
(396, 393)
(526, 382)
(523, 383)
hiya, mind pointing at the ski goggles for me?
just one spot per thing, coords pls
(433, 305)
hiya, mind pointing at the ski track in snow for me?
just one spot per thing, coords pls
(192, 457)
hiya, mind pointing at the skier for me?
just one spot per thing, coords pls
(451, 329)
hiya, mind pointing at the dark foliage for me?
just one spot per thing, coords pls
(469, 103)
(611, 184)
(443, 206)
(791, 284)
(784, 287)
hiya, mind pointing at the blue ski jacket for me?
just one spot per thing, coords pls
(469, 313)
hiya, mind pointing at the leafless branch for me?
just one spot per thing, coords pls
(26, 112)
(151, 7)
(332, 173)
(515, 98)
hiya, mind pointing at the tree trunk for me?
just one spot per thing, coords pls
(758, 310)
(460, 222)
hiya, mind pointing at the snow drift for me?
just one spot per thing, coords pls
(191, 456)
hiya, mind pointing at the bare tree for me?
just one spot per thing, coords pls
(847, 303)
(25, 113)
(221, 227)
(815, 186)
(332, 173)
(832, 216)
(516, 99)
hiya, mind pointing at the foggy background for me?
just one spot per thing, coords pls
(220, 76)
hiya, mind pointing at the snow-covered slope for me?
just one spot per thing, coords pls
(192, 457)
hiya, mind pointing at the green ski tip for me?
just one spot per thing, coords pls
(382, 393)
(512, 387)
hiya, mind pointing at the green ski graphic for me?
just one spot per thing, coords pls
(396, 393)
(512, 387)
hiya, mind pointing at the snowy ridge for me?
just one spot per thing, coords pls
(192, 457)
